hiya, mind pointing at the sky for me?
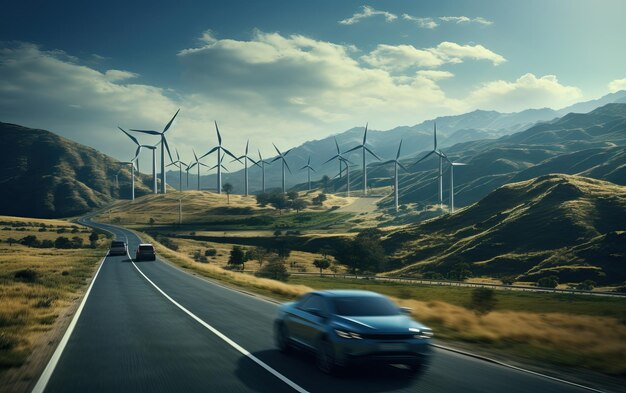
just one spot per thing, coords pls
(291, 71)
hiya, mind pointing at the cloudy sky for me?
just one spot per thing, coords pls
(291, 71)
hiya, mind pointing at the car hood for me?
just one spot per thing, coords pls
(383, 324)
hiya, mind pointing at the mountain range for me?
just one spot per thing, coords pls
(45, 175)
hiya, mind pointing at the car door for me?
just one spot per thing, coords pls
(314, 319)
(294, 319)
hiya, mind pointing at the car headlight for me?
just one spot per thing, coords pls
(421, 333)
(346, 334)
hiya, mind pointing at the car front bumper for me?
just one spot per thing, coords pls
(349, 352)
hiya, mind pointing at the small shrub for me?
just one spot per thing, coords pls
(47, 243)
(65, 273)
(274, 270)
(7, 341)
(210, 252)
(167, 242)
(26, 275)
(548, 282)
(45, 302)
(483, 301)
(586, 285)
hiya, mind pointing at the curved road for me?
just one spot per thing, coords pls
(150, 327)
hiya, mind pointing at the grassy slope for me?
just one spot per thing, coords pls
(567, 225)
(28, 310)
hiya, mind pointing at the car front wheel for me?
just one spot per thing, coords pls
(282, 338)
(325, 357)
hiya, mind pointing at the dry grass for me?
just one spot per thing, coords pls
(28, 308)
(592, 342)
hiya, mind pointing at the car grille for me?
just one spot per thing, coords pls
(388, 337)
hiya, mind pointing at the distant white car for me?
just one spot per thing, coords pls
(118, 248)
(145, 251)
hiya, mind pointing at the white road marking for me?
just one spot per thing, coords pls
(47, 372)
(230, 342)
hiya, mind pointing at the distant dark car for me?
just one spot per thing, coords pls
(118, 248)
(344, 328)
(145, 252)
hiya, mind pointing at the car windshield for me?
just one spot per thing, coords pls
(362, 306)
(117, 244)
(145, 248)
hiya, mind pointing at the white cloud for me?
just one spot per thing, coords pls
(527, 91)
(617, 85)
(119, 75)
(401, 57)
(435, 74)
(464, 19)
(425, 23)
(367, 12)
(455, 53)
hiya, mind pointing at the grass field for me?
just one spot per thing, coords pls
(38, 284)
(574, 331)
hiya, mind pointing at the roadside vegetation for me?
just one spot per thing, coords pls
(44, 265)
(541, 327)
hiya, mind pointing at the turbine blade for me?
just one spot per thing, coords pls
(194, 154)
(209, 152)
(353, 149)
(287, 165)
(371, 152)
(365, 134)
(287, 152)
(167, 147)
(260, 157)
(330, 159)
(230, 154)
(399, 147)
(276, 159)
(435, 134)
(403, 167)
(177, 155)
(130, 136)
(247, 143)
(146, 132)
(167, 127)
(425, 157)
(278, 151)
(219, 137)
(204, 165)
(337, 145)
(191, 166)
(313, 169)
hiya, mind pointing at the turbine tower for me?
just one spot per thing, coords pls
(219, 148)
(281, 157)
(219, 167)
(138, 151)
(452, 165)
(364, 149)
(442, 156)
(396, 164)
(178, 163)
(261, 164)
(346, 164)
(132, 176)
(308, 168)
(164, 147)
(245, 166)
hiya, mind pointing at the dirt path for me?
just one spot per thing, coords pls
(361, 205)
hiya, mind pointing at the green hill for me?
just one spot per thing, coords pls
(45, 175)
(569, 226)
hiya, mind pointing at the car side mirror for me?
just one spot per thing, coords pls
(406, 310)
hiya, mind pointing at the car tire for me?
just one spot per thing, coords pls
(281, 336)
(325, 357)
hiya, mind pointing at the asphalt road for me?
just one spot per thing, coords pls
(190, 335)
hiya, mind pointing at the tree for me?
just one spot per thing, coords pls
(275, 269)
(77, 242)
(62, 242)
(237, 257)
(548, 282)
(363, 253)
(11, 241)
(151, 221)
(262, 199)
(258, 254)
(321, 264)
(460, 272)
(319, 199)
(30, 241)
(93, 239)
(298, 204)
(325, 181)
(278, 202)
(483, 300)
(282, 249)
(227, 188)
(292, 195)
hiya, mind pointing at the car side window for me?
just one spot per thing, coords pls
(314, 302)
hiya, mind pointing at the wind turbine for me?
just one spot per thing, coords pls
(196, 163)
(245, 164)
(261, 164)
(150, 147)
(396, 164)
(164, 147)
(219, 148)
(188, 167)
(219, 167)
(281, 157)
(442, 156)
(452, 165)
(132, 176)
(346, 163)
(178, 163)
(364, 149)
(339, 157)
(309, 168)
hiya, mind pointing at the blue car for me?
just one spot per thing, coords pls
(348, 327)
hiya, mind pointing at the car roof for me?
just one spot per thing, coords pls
(348, 292)
(145, 244)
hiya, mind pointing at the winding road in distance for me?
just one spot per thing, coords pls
(150, 327)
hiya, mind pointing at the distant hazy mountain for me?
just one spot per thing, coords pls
(45, 175)
(452, 130)
(563, 219)
(572, 144)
